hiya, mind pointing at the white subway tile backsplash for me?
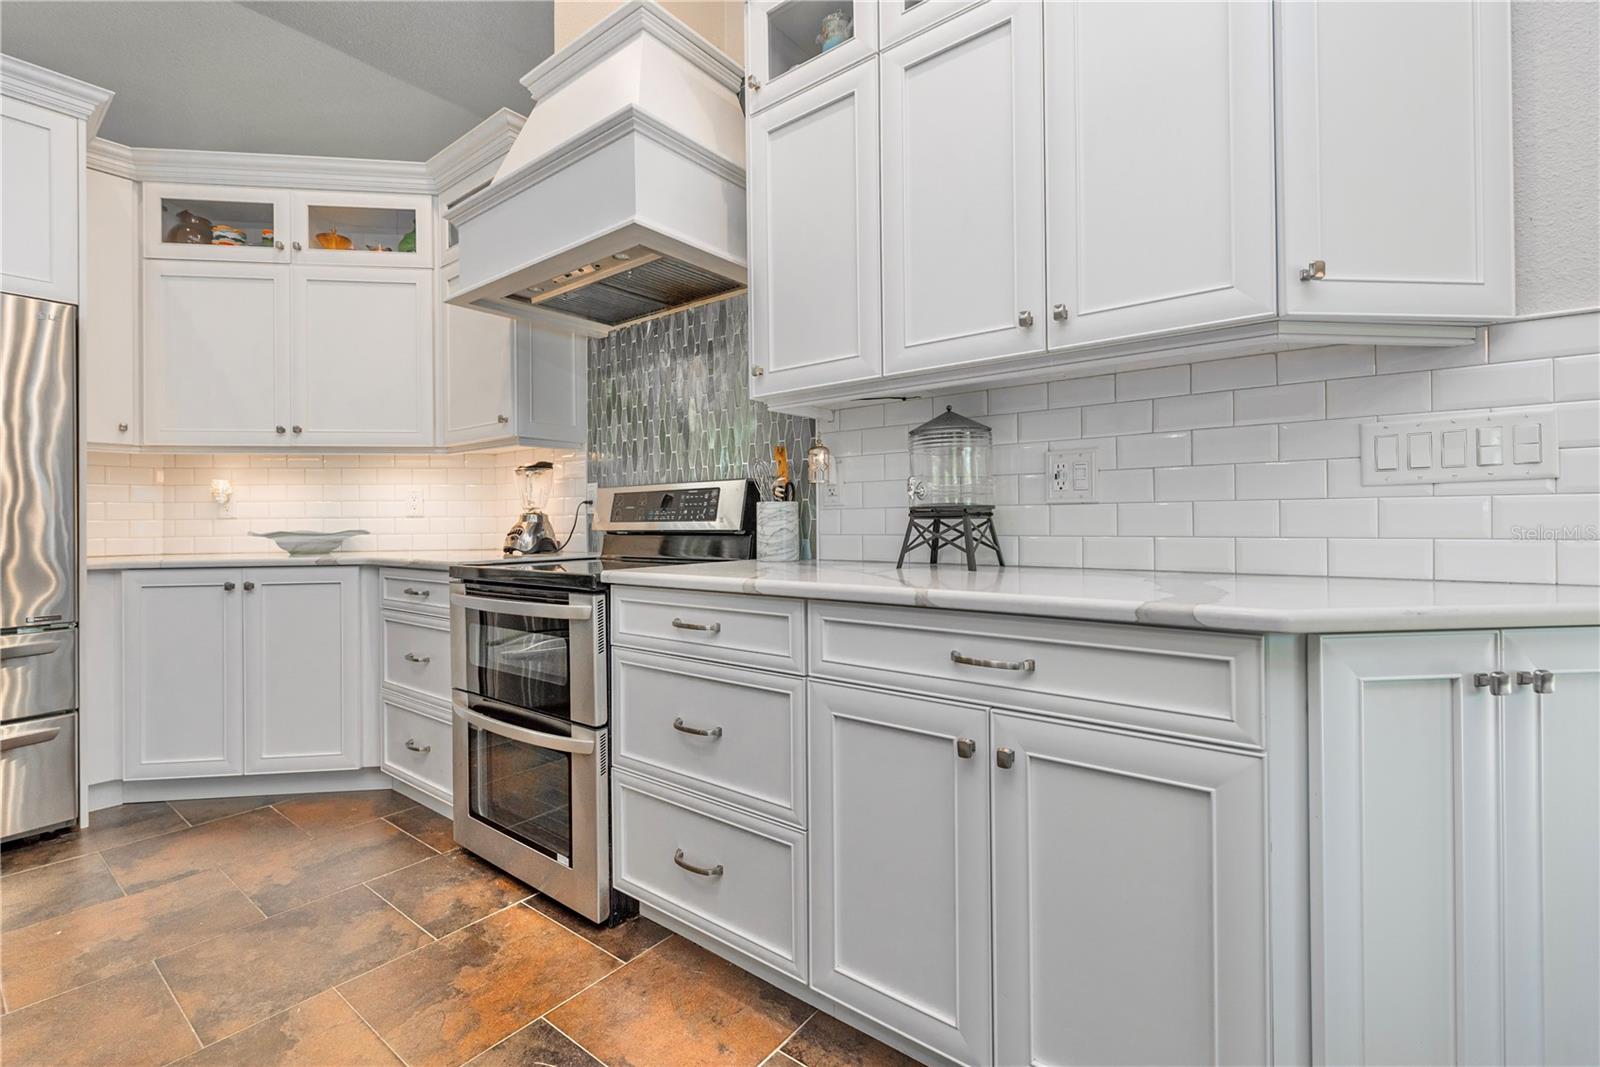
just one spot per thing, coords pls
(1153, 450)
(1209, 554)
(1282, 480)
(1491, 385)
(1237, 444)
(1280, 403)
(1495, 561)
(1349, 517)
(1434, 516)
(1317, 364)
(1260, 452)
(1389, 557)
(1236, 518)
(1281, 555)
(1189, 412)
(1116, 420)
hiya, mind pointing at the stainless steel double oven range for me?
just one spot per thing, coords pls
(530, 674)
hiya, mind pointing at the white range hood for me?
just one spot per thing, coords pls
(623, 196)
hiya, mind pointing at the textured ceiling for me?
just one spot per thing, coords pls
(371, 79)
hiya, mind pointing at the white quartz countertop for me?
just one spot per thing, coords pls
(271, 557)
(1254, 603)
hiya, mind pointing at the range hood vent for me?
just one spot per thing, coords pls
(623, 196)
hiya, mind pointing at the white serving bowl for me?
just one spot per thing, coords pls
(309, 542)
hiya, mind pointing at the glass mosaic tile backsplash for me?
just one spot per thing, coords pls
(669, 401)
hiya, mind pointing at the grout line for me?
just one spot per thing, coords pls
(187, 824)
(385, 1041)
(414, 837)
(392, 905)
(620, 961)
(114, 879)
(603, 977)
(545, 1019)
(248, 898)
(779, 1050)
(177, 1004)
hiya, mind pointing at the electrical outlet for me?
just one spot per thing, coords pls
(830, 494)
(1070, 475)
(413, 502)
(593, 491)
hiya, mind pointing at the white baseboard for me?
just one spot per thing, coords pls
(110, 794)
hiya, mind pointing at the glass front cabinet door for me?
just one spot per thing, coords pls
(226, 224)
(363, 229)
(794, 44)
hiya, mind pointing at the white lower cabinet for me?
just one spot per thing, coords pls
(1129, 898)
(240, 671)
(417, 746)
(1456, 847)
(900, 864)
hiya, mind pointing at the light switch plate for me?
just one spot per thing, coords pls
(1070, 475)
(1498, 447)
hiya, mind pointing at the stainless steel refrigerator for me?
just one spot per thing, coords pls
(38, 565)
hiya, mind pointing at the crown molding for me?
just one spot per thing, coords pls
(485, 143)
(258, 169)
(109, 157)
(22, 80)
(616, 30)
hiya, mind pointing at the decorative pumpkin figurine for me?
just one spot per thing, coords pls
(334, 239)
(190, 229)
(836, 29)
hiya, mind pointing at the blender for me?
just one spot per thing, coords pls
(532, 531)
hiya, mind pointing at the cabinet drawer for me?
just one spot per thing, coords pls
(1180, 682)
(757, 904)
(756, 631)
(427, 592)
(416, 656)
(754, 752)
(416, 749)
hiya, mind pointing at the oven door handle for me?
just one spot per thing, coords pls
(525, 609)
(576, 745)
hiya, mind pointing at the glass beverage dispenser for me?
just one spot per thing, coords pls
(951, 488)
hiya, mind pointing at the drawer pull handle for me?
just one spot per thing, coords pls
(713, 733)
(412, 657)
(27, 651)
(704, 872)
(49, 733)
(408, 591)
(966, 747)
(704, 627)
(412, 746)
(993, 664)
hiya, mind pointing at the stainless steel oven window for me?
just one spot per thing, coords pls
(529, 653)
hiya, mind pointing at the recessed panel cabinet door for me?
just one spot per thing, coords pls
(1552, 841)
(1396, 122)
(1130, 904)
(302, 669)
(109, 333)
(814, 299)
(1159, 142)
(181, 662)
(477, 349)
(363, 356)
(963, 175)
(1405, 841)
(216, 353)
(900, 864)
(39, 201)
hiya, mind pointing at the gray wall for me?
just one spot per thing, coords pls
(1555, 74)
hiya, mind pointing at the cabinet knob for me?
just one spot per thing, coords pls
(753, 82)
(502, 419)
(122, 427)
(1542, 681)
(297, 429)
(227, 587)
(756, 372)
(1058, 312)
(1494, 681)
(297, 246)
(965, 747)
(279, 245)
(1024, 318)
(279, 429)
(1004, 758)
(1314, 271)
(249, 587)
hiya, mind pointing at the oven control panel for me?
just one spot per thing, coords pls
(692, 506)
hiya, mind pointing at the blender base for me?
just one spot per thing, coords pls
(966, 528)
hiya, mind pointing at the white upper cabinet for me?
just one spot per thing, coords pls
(362, 230)
(1159, 142)
(814, 262)
(363, 356)
(108, 331)
(216, 353)
(225, 224)
(791, 45)
(476, 350)
(302, 669)
(1396, 123)
(1130, 914)
(899, 19)
(963, 174)
(551, 373)
(39, 201)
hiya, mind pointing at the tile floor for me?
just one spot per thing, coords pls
(344, 929)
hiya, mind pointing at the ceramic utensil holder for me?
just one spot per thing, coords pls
(778, 530)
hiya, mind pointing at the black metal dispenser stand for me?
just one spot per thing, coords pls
(964, 527)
